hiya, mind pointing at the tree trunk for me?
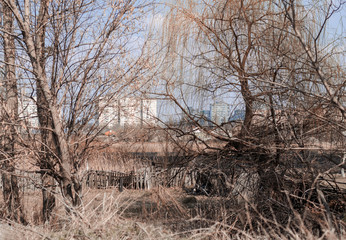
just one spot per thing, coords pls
(248, 99)
(9, 113)
(11, 195)
(54, 148)
(49, 147)
(48, 155)
(48, 197)
(51, 156)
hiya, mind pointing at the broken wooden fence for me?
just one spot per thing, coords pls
(144, 178)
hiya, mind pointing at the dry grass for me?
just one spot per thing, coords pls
(158, 214)
(104, 214)
(117, 156)
(163, 213)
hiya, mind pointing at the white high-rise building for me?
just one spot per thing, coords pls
(128, 112)
(27, 110)
(220, 112)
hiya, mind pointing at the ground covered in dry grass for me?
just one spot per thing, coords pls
(160, 213)
(109, 214)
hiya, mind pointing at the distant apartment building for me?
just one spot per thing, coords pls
(27, 108)
(128, 112)
(27, 111)
(200, 116)
(238, 115)
(220, 112)
(204, 118)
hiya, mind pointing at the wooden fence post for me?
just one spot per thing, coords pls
(121, 182)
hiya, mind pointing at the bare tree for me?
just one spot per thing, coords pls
(228, 42)
(255, 49)
(271, 57)
(75, 54)
(9, 115)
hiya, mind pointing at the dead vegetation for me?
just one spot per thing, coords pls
(168, 213)
(276, 173)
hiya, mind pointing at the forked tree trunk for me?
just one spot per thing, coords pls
(55, 151)
(55, 159)
(72, 190)
(9, 113)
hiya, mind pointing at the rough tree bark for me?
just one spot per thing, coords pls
(48, 154)
(49, 141)
(9, 113)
